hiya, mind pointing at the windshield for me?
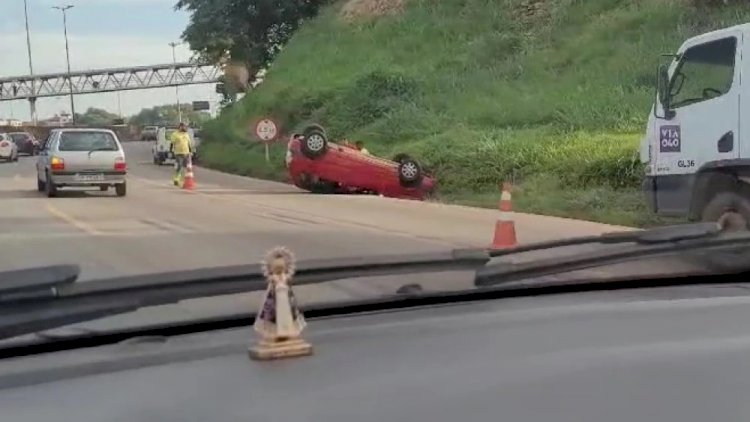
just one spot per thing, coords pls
(87, 141)
(361, 128)
(19, 137)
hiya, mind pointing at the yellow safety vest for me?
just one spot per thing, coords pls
(181, 143)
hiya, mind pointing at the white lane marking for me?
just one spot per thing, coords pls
(81, 225)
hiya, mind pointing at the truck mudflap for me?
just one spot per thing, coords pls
(648, 186)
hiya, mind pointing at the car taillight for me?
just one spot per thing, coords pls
(120, 164)
(57, 163)
(4, 144)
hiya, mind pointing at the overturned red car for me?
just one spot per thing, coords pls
(318, 165)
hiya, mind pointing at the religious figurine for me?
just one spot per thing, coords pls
(279, 322)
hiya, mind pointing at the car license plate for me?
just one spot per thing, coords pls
(88, 177)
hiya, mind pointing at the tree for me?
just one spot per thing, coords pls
(243, 32)
(96, 117)
(167, 114)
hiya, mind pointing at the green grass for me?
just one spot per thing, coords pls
(480, 94)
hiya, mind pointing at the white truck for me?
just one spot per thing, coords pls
(697, 143)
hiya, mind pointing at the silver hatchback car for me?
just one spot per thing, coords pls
(81, 158)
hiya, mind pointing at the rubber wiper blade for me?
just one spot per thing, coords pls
(171, 287)
(35, 318)
(651, 236)
(126, 294)
(666, 240)
(100, 149)
(36, 282)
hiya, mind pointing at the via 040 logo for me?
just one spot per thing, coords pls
(686, 163)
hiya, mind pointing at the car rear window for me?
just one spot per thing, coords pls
(87, 141)
(19, 137)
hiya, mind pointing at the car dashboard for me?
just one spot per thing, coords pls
(667, 354)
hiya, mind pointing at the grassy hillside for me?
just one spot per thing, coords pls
(550, 93)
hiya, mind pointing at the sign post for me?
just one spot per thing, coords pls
(266, 130)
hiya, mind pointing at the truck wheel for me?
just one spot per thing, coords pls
(729, 209)
(315, 142)
(409, 172)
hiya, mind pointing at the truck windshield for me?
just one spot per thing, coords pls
(706, 71)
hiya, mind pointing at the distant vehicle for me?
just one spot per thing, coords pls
(81, 158)
(318, 165)
(25, 142)
(160, 150)
(149, 133)
(8, 148)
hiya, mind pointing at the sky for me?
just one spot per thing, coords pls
(101, 34)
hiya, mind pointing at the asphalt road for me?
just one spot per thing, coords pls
(231, 220)
(227, 220)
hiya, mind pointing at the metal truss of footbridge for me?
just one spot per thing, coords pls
(107, 80)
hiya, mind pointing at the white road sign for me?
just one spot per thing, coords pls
(266, 130)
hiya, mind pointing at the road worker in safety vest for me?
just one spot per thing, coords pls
(182, 149)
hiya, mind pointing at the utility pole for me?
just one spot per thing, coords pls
(63, 9)
(32, 100)
(176, 88)
(119, 105)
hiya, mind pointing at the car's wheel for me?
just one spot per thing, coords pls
(409, 172)
(50, 188)
(121, 189)
(730, 209)
(315, 142)
(39, 185)
(103, 188)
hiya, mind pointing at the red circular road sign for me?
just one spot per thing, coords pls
(266, 130)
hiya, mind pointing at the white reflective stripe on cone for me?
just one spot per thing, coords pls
(506, 216)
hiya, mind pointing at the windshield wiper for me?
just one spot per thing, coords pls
(100, 149)
(36, 282)
(649, 243)
(71, 302)
(125, 294)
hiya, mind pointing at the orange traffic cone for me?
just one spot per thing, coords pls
(505, 228)
(189, 182)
